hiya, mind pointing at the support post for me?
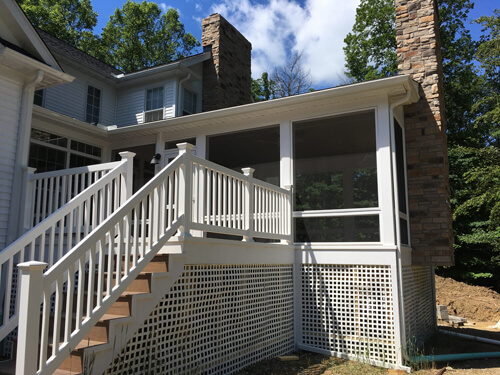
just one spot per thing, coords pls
(127, 181)
(26, 220)
(31, 288)
(249, 204)
(186, 187)
(289, 227)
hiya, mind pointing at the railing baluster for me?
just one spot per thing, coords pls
(8, 289)
(111, 254)
(70, 287)
(91, 281)
(80, 292)
(100, 270)
(57, 316)
(44, 333)
(135, 247)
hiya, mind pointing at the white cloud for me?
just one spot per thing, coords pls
(163, 6)
(198, 7)
(278, 27)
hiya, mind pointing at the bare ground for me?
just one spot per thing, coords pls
(481, 307)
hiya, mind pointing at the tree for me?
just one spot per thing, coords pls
(370, 48)
(291, 78)
(69, 20)
(488, 55)
(138, 36)
(262, 88)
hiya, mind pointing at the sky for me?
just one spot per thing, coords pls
(277, 28)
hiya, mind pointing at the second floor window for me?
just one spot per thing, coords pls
(190, 99)
(38, 97)
(93, 105)
(154, 104)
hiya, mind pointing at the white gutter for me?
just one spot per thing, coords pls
(21, 161)
(404, 100)
(179, 96)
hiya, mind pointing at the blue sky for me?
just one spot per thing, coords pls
(276, 27)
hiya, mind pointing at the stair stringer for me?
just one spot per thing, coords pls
(121, 330)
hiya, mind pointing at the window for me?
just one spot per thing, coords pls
(93, 105)
(190, 99)
(154, 105)
(336, 193)
(49, 152)
(38, 97)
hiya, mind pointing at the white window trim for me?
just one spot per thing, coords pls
(155, 110)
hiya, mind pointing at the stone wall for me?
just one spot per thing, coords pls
(227, 77)
(419, 54)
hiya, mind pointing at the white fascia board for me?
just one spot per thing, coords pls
(392, 86)
(68, 122)
(26, 34)
(26, 65)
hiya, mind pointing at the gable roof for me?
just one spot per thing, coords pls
(16, 29)
(73, 53)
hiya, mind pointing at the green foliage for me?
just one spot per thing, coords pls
(370, 49)
(138, 36)
(262, 88)
(69, 20)
(488, 55)
(475, 182)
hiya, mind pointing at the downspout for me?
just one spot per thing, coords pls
(396, 217)
(179, 97)
(21, 161)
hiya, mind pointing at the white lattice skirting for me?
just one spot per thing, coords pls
(216, 319)
(419, 304)
(349, 309)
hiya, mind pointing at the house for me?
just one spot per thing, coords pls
(326, 242)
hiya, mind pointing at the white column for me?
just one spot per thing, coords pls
(186, 187)
(286, 154)
(128, 176)
(30, 291)
(249, 203)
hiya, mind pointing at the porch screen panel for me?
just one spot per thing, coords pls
(336, 169)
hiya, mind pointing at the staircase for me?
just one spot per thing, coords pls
(87, 303)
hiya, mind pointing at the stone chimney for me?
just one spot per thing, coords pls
(227, 79)
(419, 54)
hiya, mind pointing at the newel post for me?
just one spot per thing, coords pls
(30, 292)
(186, 187)
(127, 179)
(27, 204)
(249, 203)
(288, 219)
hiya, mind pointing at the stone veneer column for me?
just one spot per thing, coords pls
(227, 79)
(417, 35)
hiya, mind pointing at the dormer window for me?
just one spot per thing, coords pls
(93, 105)
(190, 99)
(154, 105)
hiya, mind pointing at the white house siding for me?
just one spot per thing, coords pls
(10, 102)
(130, 103)
(169, 99)
(71, 99)
(130, 106)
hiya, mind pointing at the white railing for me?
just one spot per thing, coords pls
(188, 194)
(231, 203)
(48, 191)
(60, 231)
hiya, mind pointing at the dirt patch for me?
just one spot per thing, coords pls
(475, 303)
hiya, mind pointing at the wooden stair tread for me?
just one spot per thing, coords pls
(88, 343)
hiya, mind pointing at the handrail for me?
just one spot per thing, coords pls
(103, 264)
(49, 240)
(48, 191)
(146, 224)
(231, 203)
